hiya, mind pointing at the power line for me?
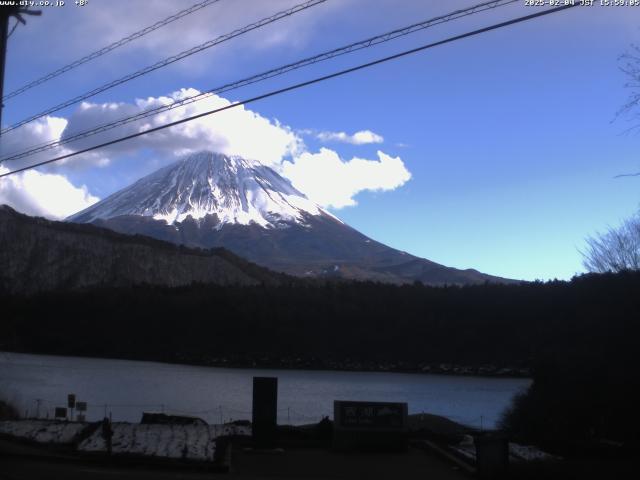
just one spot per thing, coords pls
(369, 42)
(108, 48)
(170, 60)
(362, 44)
(299, 85)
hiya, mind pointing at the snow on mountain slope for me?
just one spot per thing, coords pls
(236, 190)
(211, 200)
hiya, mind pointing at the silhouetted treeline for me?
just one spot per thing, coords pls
(593, 316)
(584, 403)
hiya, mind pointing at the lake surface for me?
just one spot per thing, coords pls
(126, 388)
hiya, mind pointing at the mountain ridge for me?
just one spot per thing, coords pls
(37, 254)
(211, 200)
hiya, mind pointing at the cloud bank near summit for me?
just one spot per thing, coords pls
(324, 176)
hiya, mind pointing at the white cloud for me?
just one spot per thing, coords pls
(361, 137)
(323, 176)
(107, 21)
(43, 194)
(237, 131)
(41, 132)
(333, 182)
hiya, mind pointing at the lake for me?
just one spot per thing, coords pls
(124, 389)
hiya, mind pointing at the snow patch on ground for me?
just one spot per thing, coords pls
(43, 431)
(189, 442)
(529, 453)
(466, 448)
(517, 452)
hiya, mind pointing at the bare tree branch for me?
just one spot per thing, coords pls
(616, 250)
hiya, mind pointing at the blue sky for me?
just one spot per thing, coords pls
(509, 137)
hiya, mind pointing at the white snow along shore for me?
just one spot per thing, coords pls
(517, 452)
(187, 442)
(43, 431)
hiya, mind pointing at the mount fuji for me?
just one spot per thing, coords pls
(213, 200)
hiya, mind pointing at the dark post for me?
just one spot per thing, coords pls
(5, 13)
(265, 411)
(107, 434)
(71, 403)
(492, 455)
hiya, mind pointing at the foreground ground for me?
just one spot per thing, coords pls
(19, 460)
(306, 464)
(311, 463)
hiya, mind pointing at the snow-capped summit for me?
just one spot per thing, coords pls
(236, 190)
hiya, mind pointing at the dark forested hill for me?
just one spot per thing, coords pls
(38, 255)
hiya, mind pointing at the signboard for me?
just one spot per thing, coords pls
(370, 415)
(61, 412)
(378, 426)
(71, 400)
(81, 406)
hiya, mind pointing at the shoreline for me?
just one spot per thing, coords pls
(440, 368)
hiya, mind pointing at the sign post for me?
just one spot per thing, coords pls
(81, 408)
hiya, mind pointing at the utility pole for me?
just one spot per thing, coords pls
(7, 12)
